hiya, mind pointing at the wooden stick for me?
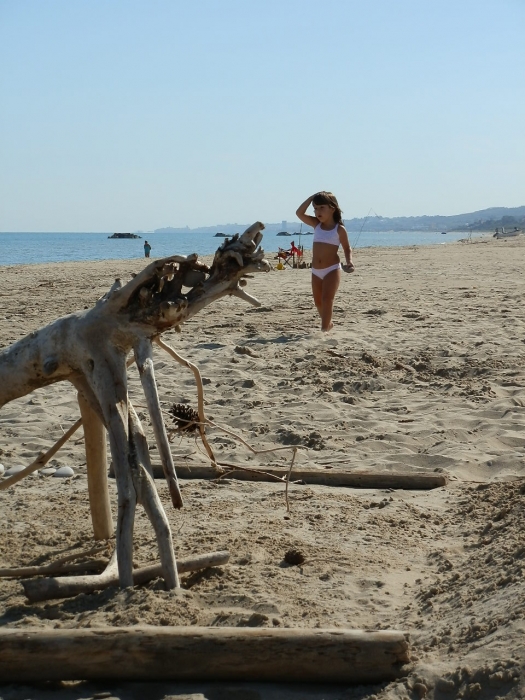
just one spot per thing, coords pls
(288, 474)
(144, 359)
(231, 468)
(31, 571)
(46, 456)
(69, 586)
(52, 567)
(203, 654)
(200, 392)
(97, 470)
(252, 449)
(358, 480)
(148, 496)
(42, 459)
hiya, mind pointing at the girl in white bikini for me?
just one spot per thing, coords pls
(329, 233)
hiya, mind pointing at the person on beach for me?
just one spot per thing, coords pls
(147, 249)
(329, 233)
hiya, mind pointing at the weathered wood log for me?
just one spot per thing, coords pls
(322, 477)
(69, 586)
(202, 653)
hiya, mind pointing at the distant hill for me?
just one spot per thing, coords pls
(483, 220)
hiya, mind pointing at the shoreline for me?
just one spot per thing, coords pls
(20, 251)
(270, 254)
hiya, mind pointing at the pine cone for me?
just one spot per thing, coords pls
(184, 417)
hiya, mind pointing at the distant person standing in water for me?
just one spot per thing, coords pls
(329, 233)
(147, 249)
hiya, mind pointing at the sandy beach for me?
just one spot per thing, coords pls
(424, 371)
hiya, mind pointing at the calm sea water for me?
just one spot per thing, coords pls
(27, 248)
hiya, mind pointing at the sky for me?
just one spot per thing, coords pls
(125, 115)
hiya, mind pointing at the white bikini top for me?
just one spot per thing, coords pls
(322, 236)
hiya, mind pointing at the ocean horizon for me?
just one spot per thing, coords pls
(46, 247)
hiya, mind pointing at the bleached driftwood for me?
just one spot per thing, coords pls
(68, 586)
(42, 459)
(96, 464)
(202, 653)
(90, 350)
(421, 481)
(62, 565)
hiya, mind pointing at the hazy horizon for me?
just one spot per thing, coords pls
(290, 223)
(129, 116)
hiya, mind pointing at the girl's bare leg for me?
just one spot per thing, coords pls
(324, 292)
(317, 291)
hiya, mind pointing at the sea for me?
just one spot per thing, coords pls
(33, 248)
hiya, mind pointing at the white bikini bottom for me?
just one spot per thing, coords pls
(321, 272)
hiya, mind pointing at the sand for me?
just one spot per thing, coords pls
(424, 371)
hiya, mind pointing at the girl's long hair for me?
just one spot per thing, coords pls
(330, 199)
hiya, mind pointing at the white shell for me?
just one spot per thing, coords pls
(64, 471)
(15, 470)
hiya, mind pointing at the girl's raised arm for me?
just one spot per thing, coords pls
(303, 216)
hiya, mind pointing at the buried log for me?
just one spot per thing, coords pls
(69, 586)
(332, 477)
(203, 654)
(90, 349)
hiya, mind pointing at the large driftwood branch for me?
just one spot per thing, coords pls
(203, 654)
(90, 349)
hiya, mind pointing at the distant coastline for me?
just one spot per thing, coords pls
(482, 220)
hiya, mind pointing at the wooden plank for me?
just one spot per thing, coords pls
(202, 653)
(322, 477)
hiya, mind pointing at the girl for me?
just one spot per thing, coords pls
(329, 232)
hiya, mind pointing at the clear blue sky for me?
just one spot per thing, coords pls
(118, 115)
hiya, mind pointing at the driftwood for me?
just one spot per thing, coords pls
(90, 350)
(62, 565)
(69, 586)
(42, 459)
(323, 477)
(203, 654)
(96, 461)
